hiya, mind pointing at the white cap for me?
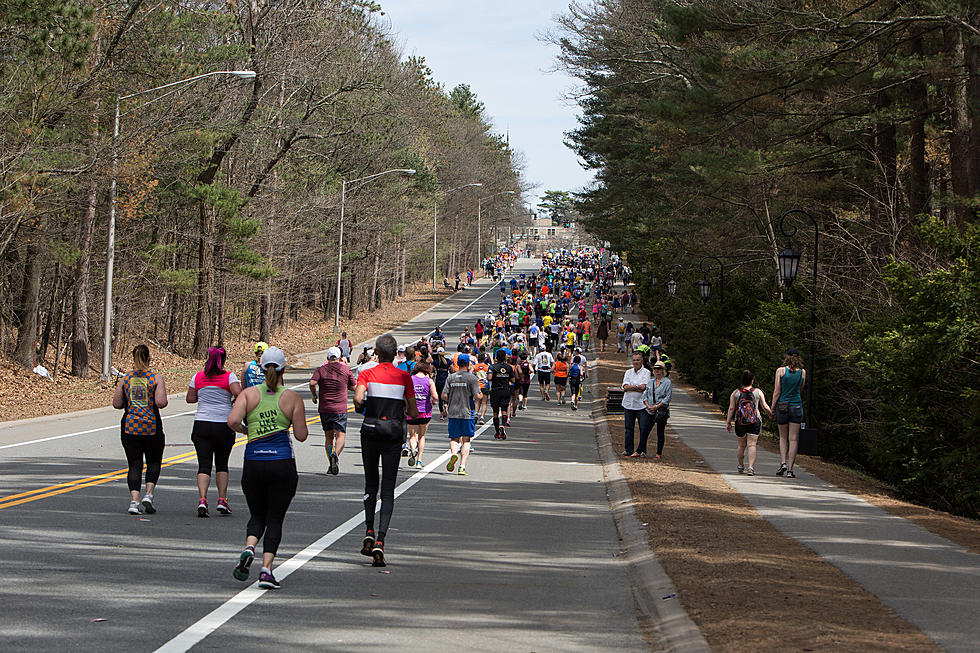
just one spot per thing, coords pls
(441, 350)
(401, 348)
(333, 352)
(273, 356)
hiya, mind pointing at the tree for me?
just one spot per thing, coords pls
(559, 205)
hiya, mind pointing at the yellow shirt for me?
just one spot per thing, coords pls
(547, 320)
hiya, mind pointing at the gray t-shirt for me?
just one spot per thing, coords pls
(462, 387)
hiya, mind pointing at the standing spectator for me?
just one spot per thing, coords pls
(790, 379)
(634, 386)
(656, 400)
(743, 413)
(329, 386)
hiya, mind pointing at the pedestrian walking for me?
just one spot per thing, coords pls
(329, 386)
(214, 391)
(141, 394)
(787, 398)
(635, 382)
(269, 477)
(744, 415)
(656, 400)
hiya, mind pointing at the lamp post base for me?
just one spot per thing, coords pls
(809, 438)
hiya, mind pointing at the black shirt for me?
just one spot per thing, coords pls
(503, 374)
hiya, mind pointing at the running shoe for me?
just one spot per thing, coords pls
(147, 505)
(134, 508)
(412, 457)
(334, 464)
(781, 470)
(451, 465)
(626, 454)
(790, 473)
(267, 581)
(462, 472)
(378, 553)
(244, 562)
(223, 506)
(503, 436)
(574, 406)
(750, 471)
(741, 469)
(367, 544)
(404, 451)
(418, 464)
(202, 509)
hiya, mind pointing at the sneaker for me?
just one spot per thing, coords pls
(404, 451)
(462, 472)
(781, 470)
(626, 454)
(418, 464)
(503, 436)
(267, 581)
(412, 457)
(202, 508)
(223, 506)
(741, 469)
(635, 454)
(790, 473)
(367, 544)
(334, 464)
(750, 471)
(147, 505)
(451, 465)
(134, 508)
(496, 434)
(244, 562)
(574, 406)
(378, 553)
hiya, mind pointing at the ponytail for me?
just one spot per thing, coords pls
(141, 358)
(273, 377)
(216, 362)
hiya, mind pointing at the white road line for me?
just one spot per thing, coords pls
(227, 610)
(71, 435)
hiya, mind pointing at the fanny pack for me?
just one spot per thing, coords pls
(387, 430)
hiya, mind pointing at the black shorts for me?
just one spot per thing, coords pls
(500, 398)
(524, 388)
(560, 381)
(792, 414)
(544, 378)
(574, 382)
(418, 422)
(741, 430)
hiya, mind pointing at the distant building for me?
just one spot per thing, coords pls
(543, 235)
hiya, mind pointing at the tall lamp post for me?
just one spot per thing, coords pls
(789, 263)
(340, 245)
(111, 242)
(479, 222)
(704, 286)
(435, 218)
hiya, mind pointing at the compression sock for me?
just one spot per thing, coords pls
(496, 423)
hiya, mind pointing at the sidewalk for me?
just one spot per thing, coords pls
(929, 581)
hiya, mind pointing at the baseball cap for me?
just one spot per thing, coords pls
(274, 356)
(261, 347)
(401, 348)
(333, 352)
(463, 359)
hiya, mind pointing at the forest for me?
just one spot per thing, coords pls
(226, 190)
(708, 122)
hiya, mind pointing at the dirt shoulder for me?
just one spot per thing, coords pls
(24, 394)
(746, 585)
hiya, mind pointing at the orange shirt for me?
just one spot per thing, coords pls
(561, 369)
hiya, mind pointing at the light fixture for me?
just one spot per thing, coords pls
(789, 263)
(672, 287)
(704, 290)
(654, 280)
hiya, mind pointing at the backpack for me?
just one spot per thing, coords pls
(745, 413)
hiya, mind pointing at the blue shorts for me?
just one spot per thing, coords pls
(334, 422)
(461, 428)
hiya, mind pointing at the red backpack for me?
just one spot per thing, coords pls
(745, 412)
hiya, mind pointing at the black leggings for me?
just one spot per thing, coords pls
(138, 447)
(439, 386)
(389, 452)
(661, 425)
(269, 487)
(213, 441)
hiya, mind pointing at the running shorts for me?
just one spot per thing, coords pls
(524, 389)
(461, 428)
(560, 381)
(574, 383)
(544, 377)
(500, 398)
(334, 422)
(419, 422)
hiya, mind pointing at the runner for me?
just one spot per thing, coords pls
(269, 475)
(384, 393)
(141, 394)
(481, 371)
(501, 376)
(542, 364)
(329, 386)
(425, 391)
(345, 346)
(561, 376)
(214, 391)
(252, 374)
(442, 366)
(462, 390)
(576, 372)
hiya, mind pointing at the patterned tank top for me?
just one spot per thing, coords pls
(141, 416)
(268, 429)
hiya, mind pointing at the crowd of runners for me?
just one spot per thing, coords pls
(543, 325)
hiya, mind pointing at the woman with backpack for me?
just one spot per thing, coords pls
(744, 415)
(656, 399)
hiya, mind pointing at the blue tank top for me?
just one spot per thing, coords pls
(789, 387)
(253, 374)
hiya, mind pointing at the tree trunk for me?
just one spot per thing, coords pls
(27, 333)
(57, 338)
(374, 279)
(918, 168)
(960, 127)
(204, 322)
(49, 319)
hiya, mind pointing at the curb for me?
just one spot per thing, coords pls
(674, 629)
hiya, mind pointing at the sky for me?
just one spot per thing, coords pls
(494, 47)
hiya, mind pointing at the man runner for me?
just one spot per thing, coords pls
(462, 391)
(501, 376)
(542, 364)
(329, 386)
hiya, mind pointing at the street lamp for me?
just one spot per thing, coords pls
(704, 286)
(111, 242)
(340, 245)
(672, 283)
(479, 222)
(789, 263)
(435, 216)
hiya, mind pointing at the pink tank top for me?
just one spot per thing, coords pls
(423, 395)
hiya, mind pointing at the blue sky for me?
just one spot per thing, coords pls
(493, 47)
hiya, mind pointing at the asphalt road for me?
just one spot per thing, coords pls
(518, 556)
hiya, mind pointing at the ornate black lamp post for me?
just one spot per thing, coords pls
(704, 286)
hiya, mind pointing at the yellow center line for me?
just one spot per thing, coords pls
(100, 479)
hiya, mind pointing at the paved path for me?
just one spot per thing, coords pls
(520, 555)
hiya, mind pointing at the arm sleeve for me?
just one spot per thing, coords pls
(668, 391)
(648, 394)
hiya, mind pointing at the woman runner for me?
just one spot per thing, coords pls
(213, 390)
(141, 394)
(269, 475)
(425, 390)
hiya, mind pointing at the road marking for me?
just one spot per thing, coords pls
(71, 435)
(227, 610)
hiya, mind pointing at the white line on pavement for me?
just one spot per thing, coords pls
(227, 610)
(71, 435)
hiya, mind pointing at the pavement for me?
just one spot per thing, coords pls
(521, 555)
